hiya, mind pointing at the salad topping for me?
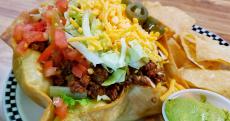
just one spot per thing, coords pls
(93, 49)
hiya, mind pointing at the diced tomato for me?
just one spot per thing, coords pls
(22, 47)
(61, 111)
(34, 36)
(60, 39)
(71, 54)
(18, 32)
(60, 108)
(51, 71)
(39, 26)
(48, 69)
(48, 64)
(27, 28)
(79, 70)
(82, 68)
(84, 62)
(50, 7)
(62, 5)
(46, 54)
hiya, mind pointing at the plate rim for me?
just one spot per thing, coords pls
(11, 104)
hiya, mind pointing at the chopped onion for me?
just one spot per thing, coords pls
(57, 101)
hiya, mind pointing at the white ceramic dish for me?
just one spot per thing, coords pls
(212, 98)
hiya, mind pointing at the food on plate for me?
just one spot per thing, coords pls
(199, 61)
(111, 60)
(91, 60)
(189, 109)
(215, 80)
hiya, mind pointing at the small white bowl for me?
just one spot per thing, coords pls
(212, 97)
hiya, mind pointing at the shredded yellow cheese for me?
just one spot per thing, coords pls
(75, 24)
(81, 38)
(170, 90)
(75, 8)
(116, 25)
(173, 87)
(162, 48)
(180, 87)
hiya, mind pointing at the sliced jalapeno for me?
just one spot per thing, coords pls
(162, 29)
(126, 2)
(137, 10)
(150, 24)
(154, 25)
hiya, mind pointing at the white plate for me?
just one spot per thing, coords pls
(18, 106)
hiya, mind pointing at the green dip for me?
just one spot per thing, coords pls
(184, 109)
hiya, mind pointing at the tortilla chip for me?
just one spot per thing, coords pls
(215, 65)
(218, 81)
(188, 41)
(210, 50)
(177, 59)
(174, 18)
(177, 54)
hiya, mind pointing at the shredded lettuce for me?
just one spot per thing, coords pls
(68, 100)
(138, 57)
(77, 17)
(137, 64)
(122, 62)
(115, 60)
(86, 24)
(96, 27)
(110, 59)
(116, 77)
(90, 56)
(71, 30)
(55, 91)
(71, 102)
(83, 102)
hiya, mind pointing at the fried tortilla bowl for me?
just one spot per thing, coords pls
(28, 73)
(134, 103)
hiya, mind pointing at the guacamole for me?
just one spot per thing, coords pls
(184, 109)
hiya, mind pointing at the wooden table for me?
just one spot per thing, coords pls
(213, 15)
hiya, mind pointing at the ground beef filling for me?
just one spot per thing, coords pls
(91, 83)
(149, 72)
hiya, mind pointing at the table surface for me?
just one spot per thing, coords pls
(213, 15)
